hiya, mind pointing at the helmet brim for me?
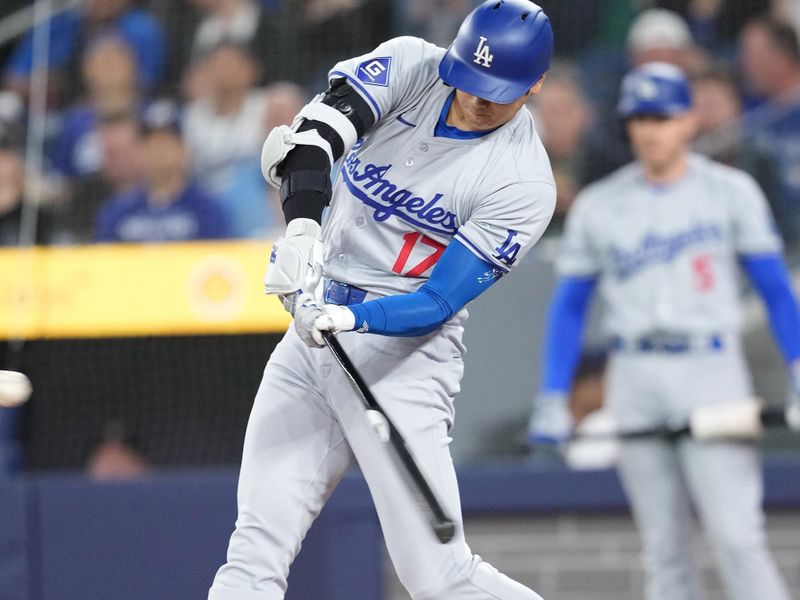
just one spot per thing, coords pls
(463, 76)
(652, 109)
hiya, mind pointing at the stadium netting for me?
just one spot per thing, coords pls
(179, 401)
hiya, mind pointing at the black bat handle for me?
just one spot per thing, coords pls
(443, 526)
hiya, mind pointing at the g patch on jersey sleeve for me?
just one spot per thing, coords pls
(375, 71)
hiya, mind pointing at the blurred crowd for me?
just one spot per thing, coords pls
(743, 60)
(156, 109)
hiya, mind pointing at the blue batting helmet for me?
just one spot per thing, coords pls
(502, 49)
(654, 89)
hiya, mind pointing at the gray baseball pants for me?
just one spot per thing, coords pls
(307, 427)
(665, 480)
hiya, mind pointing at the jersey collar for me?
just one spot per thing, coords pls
(660, 189)
(442, 129)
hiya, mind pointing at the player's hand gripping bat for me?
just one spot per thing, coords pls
(443, 526)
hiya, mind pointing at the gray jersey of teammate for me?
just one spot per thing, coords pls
(665, 258)
(661, 240)
(668, 255)
(403, 194)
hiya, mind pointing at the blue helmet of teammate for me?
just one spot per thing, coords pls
(654, 89)
(501, 50)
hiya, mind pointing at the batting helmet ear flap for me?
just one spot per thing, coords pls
(500, 52)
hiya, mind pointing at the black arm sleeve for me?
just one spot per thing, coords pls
(306, 188)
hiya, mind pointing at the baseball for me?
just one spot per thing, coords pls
(15, 388)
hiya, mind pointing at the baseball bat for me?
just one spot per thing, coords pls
(443, 526)
(770, 417)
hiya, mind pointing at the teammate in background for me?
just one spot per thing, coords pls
(444, 188)
(660, 239)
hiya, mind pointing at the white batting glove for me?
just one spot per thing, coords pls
(793, 405)
(295, 264)
(312, 318)
(551, 421)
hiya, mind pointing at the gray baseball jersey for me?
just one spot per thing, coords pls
(667, 255)
(665, 258)
(403, 194)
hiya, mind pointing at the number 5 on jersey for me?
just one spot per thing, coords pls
(703, 269)
(411, 239)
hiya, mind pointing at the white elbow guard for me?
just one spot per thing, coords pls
(336, 120)
(281, 140)
(295, 263)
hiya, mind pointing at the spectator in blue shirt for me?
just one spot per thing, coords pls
(120, 142)
(73, 30)
(168, 206)
(770, 60)
(108, 71)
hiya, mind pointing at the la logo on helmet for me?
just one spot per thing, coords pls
(482, 56)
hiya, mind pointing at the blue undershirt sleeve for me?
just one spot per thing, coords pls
(457, 278)
(770, 277)
(564, 334)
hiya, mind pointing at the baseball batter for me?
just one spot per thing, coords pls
(444, 187)
(660, 240)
